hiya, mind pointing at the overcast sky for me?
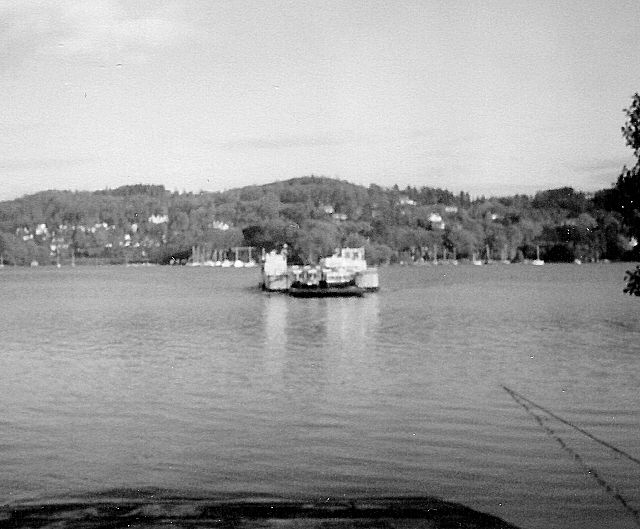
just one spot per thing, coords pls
(487, 97)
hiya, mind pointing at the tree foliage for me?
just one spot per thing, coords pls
(633, 282)
(313, 216)
(627, 189)
(631, 128)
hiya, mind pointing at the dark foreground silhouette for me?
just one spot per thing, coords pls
(160, 513)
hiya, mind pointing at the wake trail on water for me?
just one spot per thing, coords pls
(529, 406)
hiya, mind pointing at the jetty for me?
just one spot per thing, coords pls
(236, 257)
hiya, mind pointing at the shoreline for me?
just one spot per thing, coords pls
(148, 510)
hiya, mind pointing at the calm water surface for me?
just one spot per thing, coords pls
(193, 380)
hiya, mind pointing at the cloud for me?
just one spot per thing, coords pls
(605, 165)
(286, 142)
(24, 164)
(98, 29)
(340, 138)
(603, 170)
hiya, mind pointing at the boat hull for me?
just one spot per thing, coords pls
(325, 292)
(279, 283)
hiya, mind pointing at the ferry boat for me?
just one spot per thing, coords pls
(343, 274)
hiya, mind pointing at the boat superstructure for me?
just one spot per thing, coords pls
(350, 264)
(275, 274)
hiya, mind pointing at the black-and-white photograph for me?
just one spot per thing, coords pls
(319, 264)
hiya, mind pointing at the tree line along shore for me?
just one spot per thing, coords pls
(314, 216)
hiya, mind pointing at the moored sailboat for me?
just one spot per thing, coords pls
(537, 261)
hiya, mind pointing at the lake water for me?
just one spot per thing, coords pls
(193, 380)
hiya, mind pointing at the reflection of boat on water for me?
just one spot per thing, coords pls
(343, 274)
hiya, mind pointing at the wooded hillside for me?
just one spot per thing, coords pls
(313, 215)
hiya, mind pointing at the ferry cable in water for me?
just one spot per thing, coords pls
(528, 406)
(517, 397)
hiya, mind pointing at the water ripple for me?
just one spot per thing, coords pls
(181, 378)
